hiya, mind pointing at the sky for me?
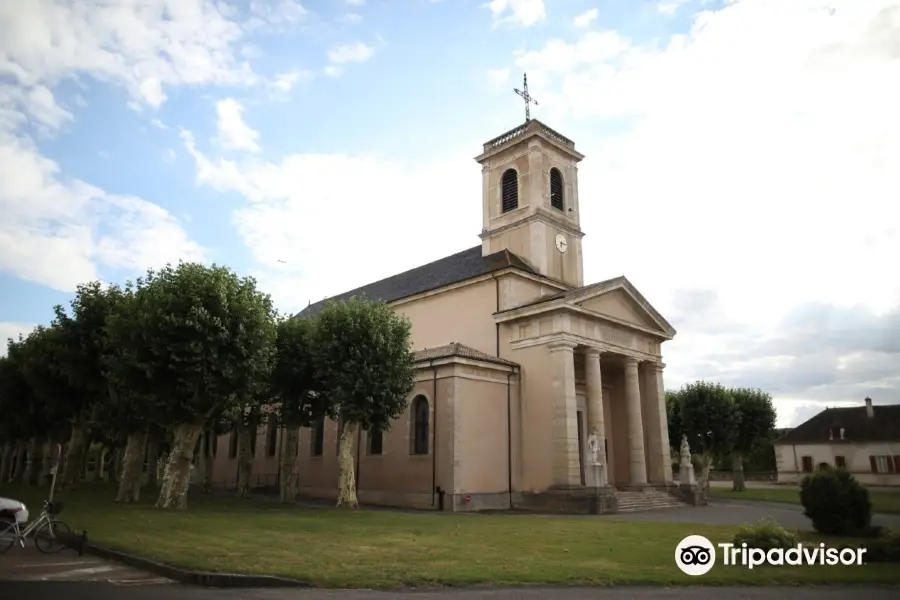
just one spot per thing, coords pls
(742, 158)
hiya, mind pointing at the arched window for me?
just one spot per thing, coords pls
(317, 441)
(420, 422)
(509, 185)
(376, 441)
(556, 189)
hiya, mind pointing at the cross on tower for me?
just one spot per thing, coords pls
(526, 96)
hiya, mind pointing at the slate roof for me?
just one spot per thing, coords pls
(884, 426)
(456, 349)
(446, 271)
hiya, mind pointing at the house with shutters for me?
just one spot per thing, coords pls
(864, 440)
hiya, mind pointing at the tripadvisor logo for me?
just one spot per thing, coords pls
(696, 555)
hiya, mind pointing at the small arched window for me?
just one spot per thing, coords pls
(420, 422)
(509, 187)
(556, 189)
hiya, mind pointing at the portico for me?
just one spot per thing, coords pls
(602, 344)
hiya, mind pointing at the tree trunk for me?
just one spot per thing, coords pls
(289, 449)
(244, 458)
(737, 472)
(32, 462)
(19, 466)
(75, 453)
(152, 460)
(347, 486)
(132, 468)
(177, 477)
(47, 462)
(6, 461)
(208, 462)
(703, 482)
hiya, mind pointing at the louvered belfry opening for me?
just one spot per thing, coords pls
(509, 185)
(556, 189)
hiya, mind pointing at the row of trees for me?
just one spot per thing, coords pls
(184, 354)
(720, 423)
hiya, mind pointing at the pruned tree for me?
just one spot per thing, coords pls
(708, 419)
(294, 388)
(208, 339)
(18, 405)
(80, 352)
(365, 372)
(51, 393)
(754, 425)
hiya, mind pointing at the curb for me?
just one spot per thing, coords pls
(196, 578)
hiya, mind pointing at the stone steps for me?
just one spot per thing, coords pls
(640, 501)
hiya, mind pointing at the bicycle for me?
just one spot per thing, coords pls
(49, 533)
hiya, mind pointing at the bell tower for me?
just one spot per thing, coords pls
(530, 200)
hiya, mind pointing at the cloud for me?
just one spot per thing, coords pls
(355, 2)
(521, 13)
(234, 134)
(498, 77)
(586, 18)
(158, 124)
(670, 7)
(751, 172)
(350, 18)
(355, 52)
(59, 231)
(290, 201)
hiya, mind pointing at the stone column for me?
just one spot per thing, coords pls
(566, 466)
(638, 464)
(594, 381)
(658, 444)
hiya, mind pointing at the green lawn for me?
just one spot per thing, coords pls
(391, 549)
(882, 501)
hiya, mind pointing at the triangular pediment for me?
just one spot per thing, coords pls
(619, 300)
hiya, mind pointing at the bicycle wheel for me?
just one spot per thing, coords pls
(7, 534)
(51, 540)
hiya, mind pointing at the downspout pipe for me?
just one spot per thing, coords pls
(509, 436)
(433, 432)
(496, 310)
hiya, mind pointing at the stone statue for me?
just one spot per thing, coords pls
(594, 447)
(685, 451)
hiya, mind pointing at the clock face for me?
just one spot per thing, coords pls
(561, 243)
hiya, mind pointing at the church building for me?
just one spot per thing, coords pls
(532, 390)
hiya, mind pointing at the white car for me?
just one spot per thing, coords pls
(13, 510)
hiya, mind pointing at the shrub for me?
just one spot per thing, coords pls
(836, 503)
(765, 535)
(883, 549)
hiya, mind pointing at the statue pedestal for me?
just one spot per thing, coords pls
(686, 474)
(599, 475)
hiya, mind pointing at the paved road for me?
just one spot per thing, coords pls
(737, 512)
(27, 564)
(93, 591)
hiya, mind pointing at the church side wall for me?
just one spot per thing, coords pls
(485, 444)
(535, 471)
(461, 315)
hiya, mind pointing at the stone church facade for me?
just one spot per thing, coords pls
(520, 366)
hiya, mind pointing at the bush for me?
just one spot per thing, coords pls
(836, 503)
(883, 549)
(765, 535)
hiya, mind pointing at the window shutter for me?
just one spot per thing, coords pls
(873, 464)
(896, 463)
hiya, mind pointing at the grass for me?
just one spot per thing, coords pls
(381, 549)
(882, 501)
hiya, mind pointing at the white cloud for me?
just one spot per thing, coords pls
(58, 231)
(355, 2)
(759, 158)
(522, 13)
(350, 18)
(234, 134)
(158, 124)
(670, 7)
(290, 202)
(586, 18)
(333, 70)
(285, 82)
(498, 77)
(355, 52)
